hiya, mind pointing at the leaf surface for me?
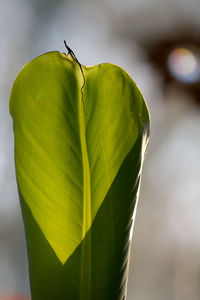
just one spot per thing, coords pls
(79, 148)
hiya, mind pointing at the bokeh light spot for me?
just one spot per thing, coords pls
(184, 65)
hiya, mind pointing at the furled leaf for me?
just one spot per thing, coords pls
(79, 147)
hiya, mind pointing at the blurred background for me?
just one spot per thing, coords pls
(158, 43)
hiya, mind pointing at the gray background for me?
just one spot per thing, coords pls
(165, 254)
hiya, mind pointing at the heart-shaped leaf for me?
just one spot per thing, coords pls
(80, 138)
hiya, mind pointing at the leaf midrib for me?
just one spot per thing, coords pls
(87, 217)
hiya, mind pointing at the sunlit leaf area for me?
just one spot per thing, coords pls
(157, 43)
(80, 138)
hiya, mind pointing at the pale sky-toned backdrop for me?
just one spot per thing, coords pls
(165, 254)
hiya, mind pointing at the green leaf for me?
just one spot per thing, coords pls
(79, 147)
